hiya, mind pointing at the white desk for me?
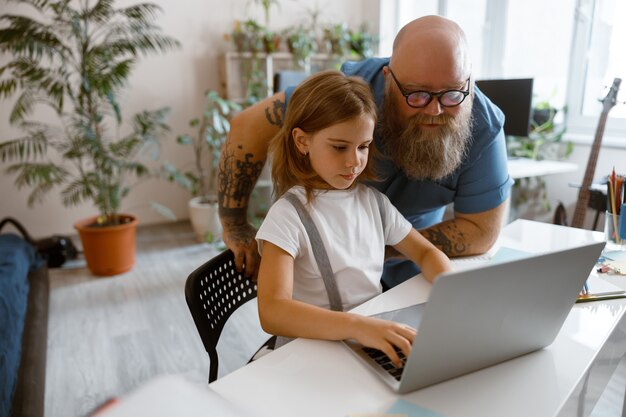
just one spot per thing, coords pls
(525, 167)
(321, 378)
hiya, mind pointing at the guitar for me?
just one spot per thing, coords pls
(560, 215)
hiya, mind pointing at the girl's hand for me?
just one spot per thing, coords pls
(384, 335)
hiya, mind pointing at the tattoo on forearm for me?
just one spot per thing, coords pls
(236, 179)
(448, 238)
(275, 115)
(235, 220)
(233, 216)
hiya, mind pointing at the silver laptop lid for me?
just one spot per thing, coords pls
(479, 317)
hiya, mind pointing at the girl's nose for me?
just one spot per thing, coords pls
(352, 160)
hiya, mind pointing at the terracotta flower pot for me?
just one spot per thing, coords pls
(108, 250)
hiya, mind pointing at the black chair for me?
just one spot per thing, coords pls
(213, 292)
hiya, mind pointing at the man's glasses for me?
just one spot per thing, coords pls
(420, 99)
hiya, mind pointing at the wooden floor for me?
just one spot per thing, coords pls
(106, 336)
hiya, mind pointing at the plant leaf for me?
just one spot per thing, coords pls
(163, 210)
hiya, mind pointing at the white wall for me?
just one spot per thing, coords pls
(177, 79)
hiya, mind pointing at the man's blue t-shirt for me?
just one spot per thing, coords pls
(480, 183)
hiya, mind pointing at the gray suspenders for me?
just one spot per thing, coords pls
(321, 257)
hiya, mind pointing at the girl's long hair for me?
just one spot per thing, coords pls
(322, 100)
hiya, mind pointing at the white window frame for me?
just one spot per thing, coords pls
(582, 128)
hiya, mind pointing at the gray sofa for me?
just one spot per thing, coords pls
(24, 297)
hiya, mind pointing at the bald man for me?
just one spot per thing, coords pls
(441, 137)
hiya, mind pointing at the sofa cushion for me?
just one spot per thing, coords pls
(17, 259)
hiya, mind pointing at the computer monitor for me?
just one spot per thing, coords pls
(514, 97)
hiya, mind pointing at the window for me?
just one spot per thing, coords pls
(597, 59)
(569, 47)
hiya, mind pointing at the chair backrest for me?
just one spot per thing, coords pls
(284, 79)
(213, 292)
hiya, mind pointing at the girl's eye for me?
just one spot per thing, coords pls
(339, 148)
(364, 147)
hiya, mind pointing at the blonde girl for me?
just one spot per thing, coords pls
(320, 157)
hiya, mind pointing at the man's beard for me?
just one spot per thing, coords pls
(431, 153)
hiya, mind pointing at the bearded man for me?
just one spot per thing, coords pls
(440, 138)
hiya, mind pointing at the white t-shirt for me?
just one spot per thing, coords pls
(350, 224)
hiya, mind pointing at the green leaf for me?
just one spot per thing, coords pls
(25, 148)
(7, 87)
(42, 177)
(79, 190)
(185, 180)
(141, 12)
(124, 147)
(184, 139)
(163, 210)
(101, 12)
(23, 106)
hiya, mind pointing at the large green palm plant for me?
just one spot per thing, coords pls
(75, 58)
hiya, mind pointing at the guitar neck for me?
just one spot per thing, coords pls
(583, 194)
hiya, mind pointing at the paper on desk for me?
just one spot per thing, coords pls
(615, 255)
(402, 408)
(411, 410)
(171, 395)
(495, 255)
(615, 261)
(377, 415)
(599, 286)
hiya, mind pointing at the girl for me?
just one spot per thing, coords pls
(320, 156)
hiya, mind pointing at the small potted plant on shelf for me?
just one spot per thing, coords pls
(363, 43)
(75, 60)
(201, 179)
(248, 36)
(301, 43)
(337, 38)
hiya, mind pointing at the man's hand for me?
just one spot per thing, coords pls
(239, 237)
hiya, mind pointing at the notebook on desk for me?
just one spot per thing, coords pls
(483, 316)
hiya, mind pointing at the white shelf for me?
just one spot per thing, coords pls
(235, 69)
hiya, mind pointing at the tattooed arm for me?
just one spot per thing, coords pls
(241, 162)
(465, 234)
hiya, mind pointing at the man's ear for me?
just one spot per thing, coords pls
(301, 140)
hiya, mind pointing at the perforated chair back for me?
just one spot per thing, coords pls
(213, 292)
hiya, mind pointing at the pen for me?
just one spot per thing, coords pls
(599, 297)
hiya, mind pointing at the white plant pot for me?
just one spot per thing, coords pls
(205, 220)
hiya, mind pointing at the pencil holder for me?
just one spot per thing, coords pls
(621, 224)
(614, 231)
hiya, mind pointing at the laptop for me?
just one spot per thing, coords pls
(480, 317)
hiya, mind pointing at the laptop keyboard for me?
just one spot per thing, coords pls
(383, 360)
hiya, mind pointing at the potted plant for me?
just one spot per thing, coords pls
(201, 179)
(75, 60)
(337, 38)
(544, 141)
(363, 42)
(301, 43)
